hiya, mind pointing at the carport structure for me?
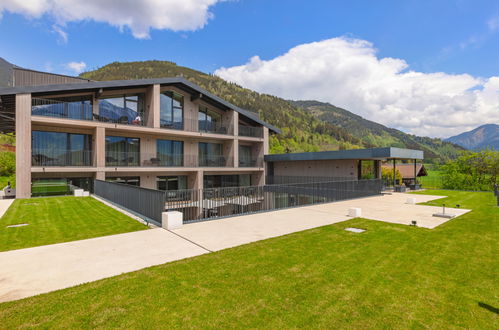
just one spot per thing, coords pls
(355, 164)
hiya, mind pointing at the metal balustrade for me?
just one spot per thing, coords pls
(250, 131)
(208, 204)
(56, 157)
(250, 162)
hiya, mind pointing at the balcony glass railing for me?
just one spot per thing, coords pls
(77, 109)
(119, 159)
(54, 157)
(250, 131)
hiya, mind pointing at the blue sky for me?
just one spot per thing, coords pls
(454, 37)
(427, 34)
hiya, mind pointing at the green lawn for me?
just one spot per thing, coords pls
(60, 219)
(5, 179)
(433, 180)
(391, 276)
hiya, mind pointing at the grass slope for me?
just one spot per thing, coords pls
(60, 219)
(391, 276)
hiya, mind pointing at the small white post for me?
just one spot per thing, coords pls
(172, 220)
(355, 212)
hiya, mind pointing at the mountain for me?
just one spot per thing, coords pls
(302, 129)
(376, 134)
(483, 137)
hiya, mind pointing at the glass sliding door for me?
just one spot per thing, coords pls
(170, 153)
(122, 151)
(210, 121)
(60, 149)
(74, 107)
(122, 109)
(210, 154)
(245, 159)
(171, 110)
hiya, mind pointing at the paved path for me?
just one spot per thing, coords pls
(32, 271)
(224, 233)
(4, 205)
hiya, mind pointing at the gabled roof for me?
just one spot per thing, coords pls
(179, 82)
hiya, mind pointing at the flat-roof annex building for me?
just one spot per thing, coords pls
(165, 134)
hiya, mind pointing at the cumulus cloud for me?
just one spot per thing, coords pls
(348, 73)
(138, 15)
(76, 67)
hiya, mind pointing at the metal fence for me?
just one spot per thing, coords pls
(148, 203)
(207, 204)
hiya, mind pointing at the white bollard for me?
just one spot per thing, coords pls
(172, 220)
(355, 212)
(411, 200)
(78, 192)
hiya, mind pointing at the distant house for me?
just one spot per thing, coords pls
(407, 171)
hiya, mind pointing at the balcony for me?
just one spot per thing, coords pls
(213, 161)
(82, 109)
(250, 162)
(250, 131)
(195, 125)
(79, 109)
(54, 157)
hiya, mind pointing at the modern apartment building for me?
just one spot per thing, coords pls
(166, 134)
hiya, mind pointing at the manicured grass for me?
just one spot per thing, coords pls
(60, 219)
(433, 180)
(391, 276)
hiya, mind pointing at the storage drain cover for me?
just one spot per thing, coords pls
(355, 230)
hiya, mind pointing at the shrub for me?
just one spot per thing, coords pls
(7, 163)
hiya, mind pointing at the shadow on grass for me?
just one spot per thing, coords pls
(488, 307)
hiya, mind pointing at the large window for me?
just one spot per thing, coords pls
(368, 169)
(171, 182)
(122, 151)
(60, 149)
(75, 107)
(245, 159)
(210, 121)
(130, 180)
(171, 110)
(210, 154)
(170, 153)
(59, 186)
(122, 109)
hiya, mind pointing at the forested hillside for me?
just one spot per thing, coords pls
(300, 130)
(376, 134)
(306, 126)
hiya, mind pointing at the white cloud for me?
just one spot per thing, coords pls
(138, 15)
(62, 34)
(347, 73)
(77, 67)
(493, 23)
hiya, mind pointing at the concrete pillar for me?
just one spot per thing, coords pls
(258, 179)
(191, 154)
(153, 106)
(147, 150)
(100, 147)
(100, 176)
(265, 141)
(231, 152)
(235, 123)
(195, 180)
(95, 105)
(23, 142)
(148, 181)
